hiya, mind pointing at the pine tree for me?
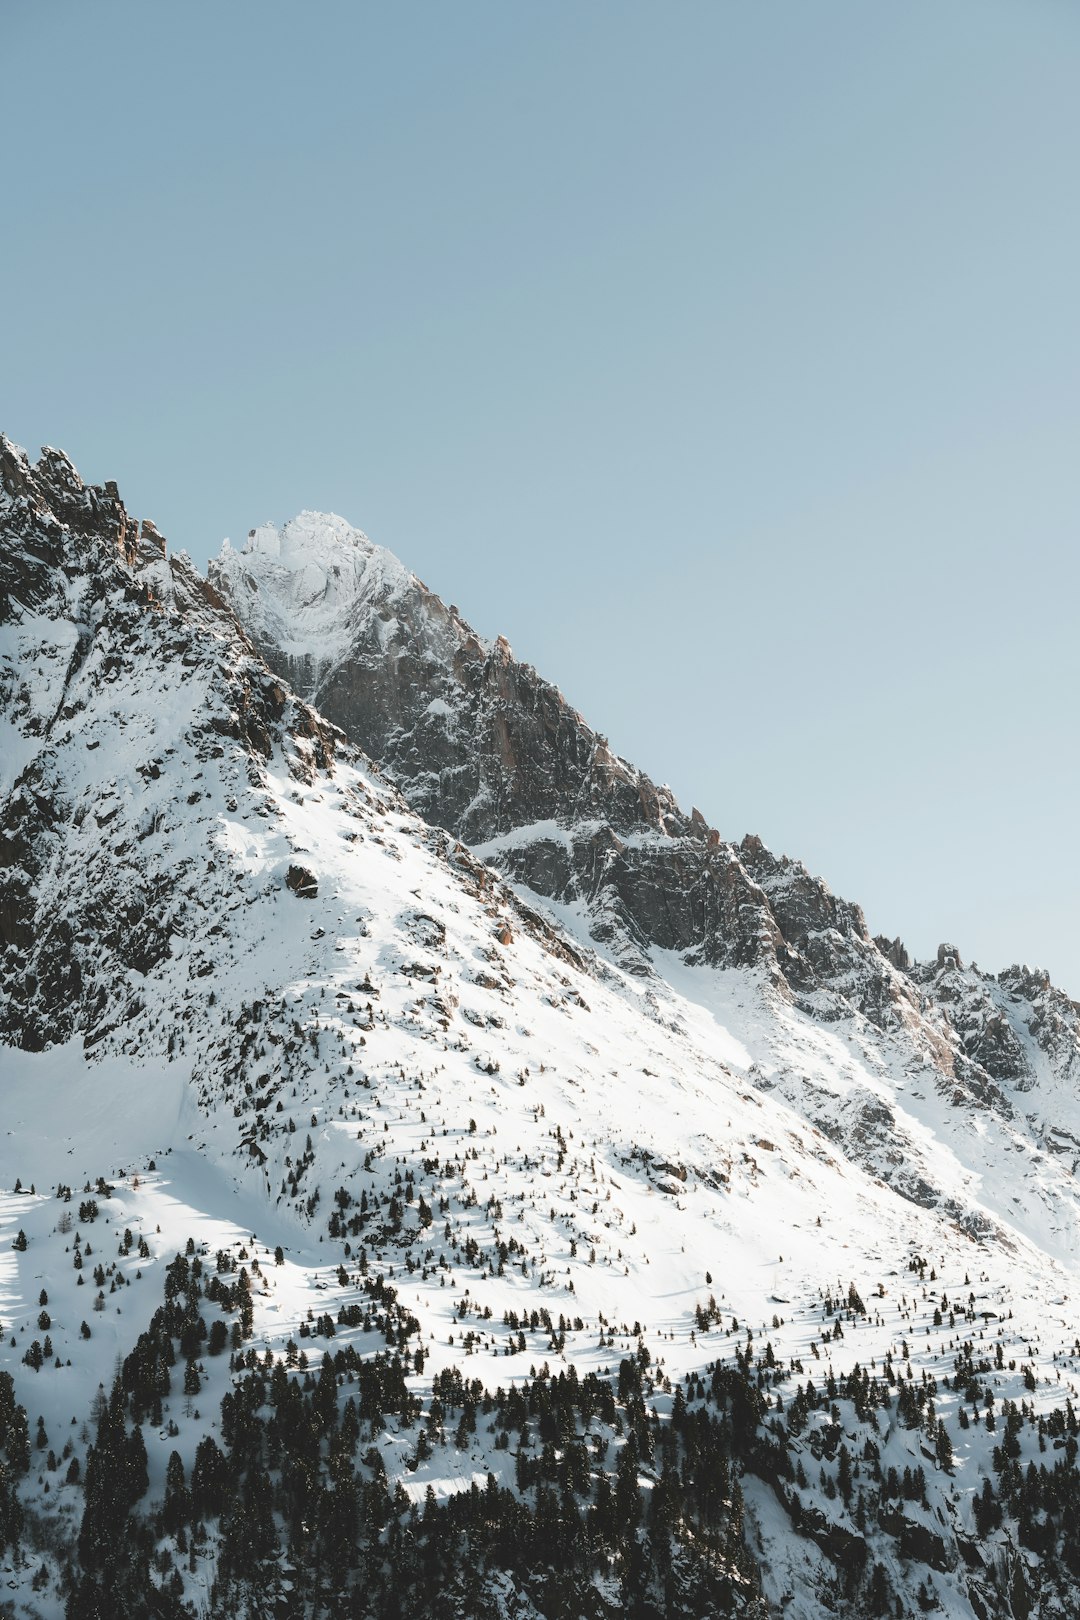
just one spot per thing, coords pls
(177, 1506)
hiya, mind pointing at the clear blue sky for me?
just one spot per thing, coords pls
(725, 356)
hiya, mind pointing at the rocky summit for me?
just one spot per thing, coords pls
(440, 1176)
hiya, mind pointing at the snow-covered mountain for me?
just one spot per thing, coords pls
(481, 745)
(656, 1246)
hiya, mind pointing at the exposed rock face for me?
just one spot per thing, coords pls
(481, 745)
(484, 743)
(303, 883)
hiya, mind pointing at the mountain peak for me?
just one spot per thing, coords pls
(307, 534)
(305, 583)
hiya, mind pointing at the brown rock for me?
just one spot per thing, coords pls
(303, 883)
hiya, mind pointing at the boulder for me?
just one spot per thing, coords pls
(303, 883)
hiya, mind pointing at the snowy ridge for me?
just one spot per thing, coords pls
(424, 693)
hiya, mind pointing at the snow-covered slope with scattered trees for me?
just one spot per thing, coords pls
(376, 1240)
(481, 745)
